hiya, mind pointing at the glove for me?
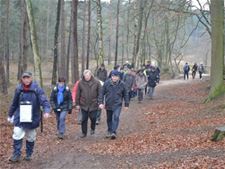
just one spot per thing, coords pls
(10, 119)
(70, 112)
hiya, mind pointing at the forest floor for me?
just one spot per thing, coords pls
(171, 131)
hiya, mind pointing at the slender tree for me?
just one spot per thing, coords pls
(128, 29)
(110, 32)
(24, 41)
(117, 31)
(3, 80)
(138, 26)
(55, 48)
(84, 36)
(217, 58)
(62, 58)
(37, 58)
(74, 63)
(88, 33)
(100, 33)
(7, 41)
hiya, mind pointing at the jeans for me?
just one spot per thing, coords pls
(200, 75)
(113, 119)
(151, 91)
(92, 115)
(186, 74)
(60, 119)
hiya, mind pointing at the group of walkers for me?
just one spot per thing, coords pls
(195, 68)
(90, 95)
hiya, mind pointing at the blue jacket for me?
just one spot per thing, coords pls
(37, 98)
(114, 95)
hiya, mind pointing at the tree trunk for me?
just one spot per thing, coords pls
(138, 34)
(7, 41)
(100, 33)
(62, 58)
(24, 41)
(128, 29)
(37, 58)
(3, 79)
(68, 50)
(117, 31)
(88, 33)
(110, 32)
(74, 62)
(47, 29)
(217, 58)
(55, 48)
(84, 37)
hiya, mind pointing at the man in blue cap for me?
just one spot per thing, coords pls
(114, 91)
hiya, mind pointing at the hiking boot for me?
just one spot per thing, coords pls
(92, 132)
(108, 135)
(27, 158)
(61, 136)
(83, 135)
(113, 136)
(15, 158)
(97, 122)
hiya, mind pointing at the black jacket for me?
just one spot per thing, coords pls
(114, 94)
(102, 74)
(66, 105)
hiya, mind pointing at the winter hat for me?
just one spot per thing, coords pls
(115, 73)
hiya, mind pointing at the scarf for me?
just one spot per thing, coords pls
(60, 94)
(26, 87)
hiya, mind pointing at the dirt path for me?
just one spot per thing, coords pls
(166, 132)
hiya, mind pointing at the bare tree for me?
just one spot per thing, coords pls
(37, 58)
(117, 31)
(110, 32)
(88, 33)
(138, 28)
(74, 62)
(84, 36)
(100, 33)
(55, 48)
(24, 41)
(62, 58)
(3, 80)
(128, 29)
(7, 41)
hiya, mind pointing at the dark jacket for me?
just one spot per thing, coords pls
(114, 95)
(87, 94)
(37, 97)
(153, 78)
(129, 81)
(102, 74)
(66, 105)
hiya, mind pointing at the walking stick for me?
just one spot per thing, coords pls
(41, 121)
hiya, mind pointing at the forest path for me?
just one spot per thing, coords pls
(158, 133)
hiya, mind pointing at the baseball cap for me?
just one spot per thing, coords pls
(26, 74)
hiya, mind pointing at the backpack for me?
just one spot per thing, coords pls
(186, 68)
